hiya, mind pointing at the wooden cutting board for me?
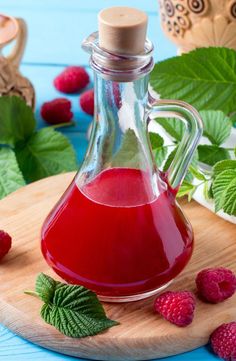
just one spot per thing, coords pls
(141, 335)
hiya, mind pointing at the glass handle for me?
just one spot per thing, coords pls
(192, 120)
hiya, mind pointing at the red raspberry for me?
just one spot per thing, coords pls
(223, 341)
(87, 101)
(114, 97)
(117, 95)
(216, 284)
(5, 243)
(57, 111)
(176, 307)
(71, 80)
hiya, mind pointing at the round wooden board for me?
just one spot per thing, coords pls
(141, 335)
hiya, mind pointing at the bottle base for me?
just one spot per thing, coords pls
(138, 297)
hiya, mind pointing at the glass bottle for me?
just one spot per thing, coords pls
(118, 229)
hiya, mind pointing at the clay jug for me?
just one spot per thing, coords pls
(12, 82)
(193, 24)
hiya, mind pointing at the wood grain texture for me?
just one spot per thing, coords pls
(142, 334)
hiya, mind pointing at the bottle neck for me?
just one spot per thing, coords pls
(123, 103)
(118, 67)
(119, 137)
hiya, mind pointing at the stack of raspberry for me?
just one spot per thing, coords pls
(71, 81)
(214, 285)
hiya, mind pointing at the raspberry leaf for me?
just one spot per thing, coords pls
(224, 165)
(200, 176)
(169, 159)
(45, 287)
(223, 189)
(186, 188)
(189, 177)
(211, 154)
(128, 154)
(217, 126)
(174, 127)
(47, 152)
(160, 155)
(206, 78)
(156, 140)
(158, 148)
(229, 205)
(11, 177)
(73, 310)
(17, 121)
(233, 118)
(46, 312)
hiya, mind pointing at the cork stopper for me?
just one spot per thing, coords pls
(122, 30)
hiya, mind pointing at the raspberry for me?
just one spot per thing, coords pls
(87, 101)
(176, 307)
(223, 341)
(5, 243)
(216, 284)
(117, 95)
(71, 80)
(114, 97)
(57, 111)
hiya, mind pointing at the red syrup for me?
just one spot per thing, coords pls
(114, 237)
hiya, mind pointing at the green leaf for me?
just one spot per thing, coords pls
(200, 176)
(185, 188)
(229, 205)
(205, 78)
(174, 127)
(45, 287)
(46, 153)
(210, 192)
(211, 154)
(191, 193)
(189, 176)
(158, 148)
(17, 122)
(73, 310)
(217, 126)
(160, 155)
(233, 119)
(128, 155)
(224, 165)
(224, 191)
(10, 175)
(169, 160)
(206, 191)
(156, 140)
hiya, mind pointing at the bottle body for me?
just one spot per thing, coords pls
(113, 238)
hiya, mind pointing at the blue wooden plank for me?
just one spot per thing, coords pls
(71, 5)
(55, 36)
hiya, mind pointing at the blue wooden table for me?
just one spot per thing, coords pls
(56, 30)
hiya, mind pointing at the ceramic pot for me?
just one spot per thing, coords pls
(12, 82)
(199, 23)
